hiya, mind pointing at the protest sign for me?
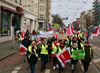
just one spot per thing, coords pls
(64, 57)
(78, 54)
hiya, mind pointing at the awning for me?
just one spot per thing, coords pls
(10, 10)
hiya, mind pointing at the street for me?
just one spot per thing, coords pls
(12, 65)
(49, 36)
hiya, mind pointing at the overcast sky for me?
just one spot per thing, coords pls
(70, 8)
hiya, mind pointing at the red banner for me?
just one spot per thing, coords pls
(64, 57)
(23, 49)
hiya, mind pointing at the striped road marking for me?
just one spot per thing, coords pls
(96, 60)
(94, 46)
(47, 71)
(81, 65)
(16, 69)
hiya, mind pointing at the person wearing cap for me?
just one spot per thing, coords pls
(44, 54)
(32, 56)
(73, 62)
(54, 51)
(61, 48)
(88, 56)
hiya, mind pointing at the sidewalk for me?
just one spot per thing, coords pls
(6, 49)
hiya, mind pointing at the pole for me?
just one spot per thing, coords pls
(13, 31)
(0, 12)
(46, 12)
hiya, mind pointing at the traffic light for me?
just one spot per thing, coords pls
(66, 18)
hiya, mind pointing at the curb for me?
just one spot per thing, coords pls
(7, 56)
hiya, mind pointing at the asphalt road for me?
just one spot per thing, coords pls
(21, 67)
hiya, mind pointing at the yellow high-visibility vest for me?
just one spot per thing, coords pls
(54, 49)
(60, 50)
(44, 49)
(20, 38)
(30, 50)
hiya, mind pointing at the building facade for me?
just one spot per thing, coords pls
(96, 12)
(17, 15)
(86, 19)
(43, 13)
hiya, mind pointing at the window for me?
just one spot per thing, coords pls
(20, 2)
(16, 1)
(5, 23)
(42, 1)
(41, 16)
(41, 8)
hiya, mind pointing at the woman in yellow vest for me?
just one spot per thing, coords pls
(32, 56)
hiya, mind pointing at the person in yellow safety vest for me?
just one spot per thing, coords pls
(19, 38)
(61, 48)
(57, 43)
(76, 35)
(88, 56)
(80, 35)
(54, 51)
(32, 56)
(69, 41)
(80, 43)
(73, 62)
(44, 54)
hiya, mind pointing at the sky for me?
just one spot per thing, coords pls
(70, 8)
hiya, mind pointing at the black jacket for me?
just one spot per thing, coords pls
(26, 42)
(88, 55)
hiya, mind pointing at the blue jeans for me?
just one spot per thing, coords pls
(19, 43)
(32, 66)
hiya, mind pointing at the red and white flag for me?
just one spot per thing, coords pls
(22, 34)
(95, 33)
(64, 57)
(72, 28)
(23, 49)
(68, 32)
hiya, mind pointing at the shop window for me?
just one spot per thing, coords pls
(41, 16)
(16, 22)
(5, 23)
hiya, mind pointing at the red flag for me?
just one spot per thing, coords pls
(72, 29)
(68, 32)
(64, 57)
(95, 33)
(23, 49)
(22, 34)
(50, 29)
(86, 33)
